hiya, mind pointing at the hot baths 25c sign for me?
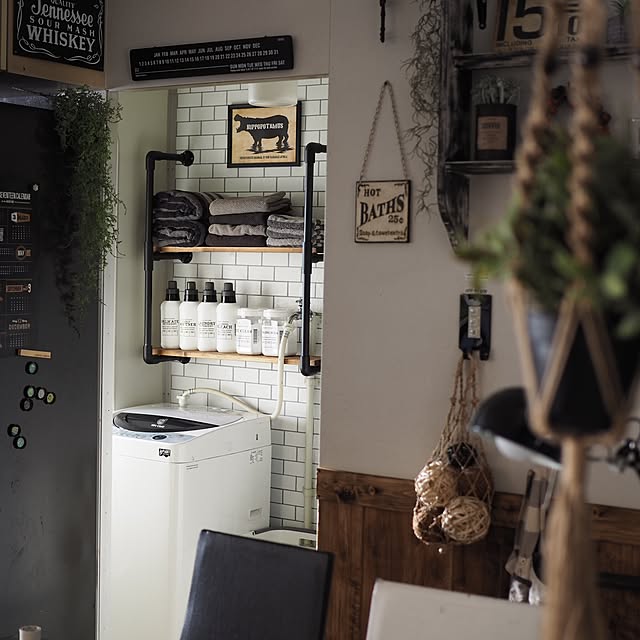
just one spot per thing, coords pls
(66, 31)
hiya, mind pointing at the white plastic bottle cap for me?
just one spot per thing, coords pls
(30, 632)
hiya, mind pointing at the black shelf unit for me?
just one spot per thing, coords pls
(309, 365)
(458, 62)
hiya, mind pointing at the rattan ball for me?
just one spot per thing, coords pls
(436, 485)
(426, 524)
(466, 520)
(475, 482)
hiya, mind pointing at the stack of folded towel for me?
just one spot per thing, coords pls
(180, 218)
(242, 222)
(288, 231)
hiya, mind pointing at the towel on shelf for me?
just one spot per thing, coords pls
(182, 205)
(240, 218)
(283, 227)
(250, 204)
(235, 241)
(238, 230)
(289, 233)
(179, 234)
(284, 242)
(285, 222)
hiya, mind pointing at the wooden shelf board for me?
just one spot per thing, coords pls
(214, 355)
(480, 167)
(228, 249)
(492, 60)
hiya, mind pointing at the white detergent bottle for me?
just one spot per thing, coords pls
(189, 318)
(207, 319)
(170, 318)
(226, 316)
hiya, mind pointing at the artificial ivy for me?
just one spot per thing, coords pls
(88, 221)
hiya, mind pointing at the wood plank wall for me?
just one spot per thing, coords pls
(365, 521)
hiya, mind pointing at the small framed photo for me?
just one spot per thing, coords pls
(263, 136)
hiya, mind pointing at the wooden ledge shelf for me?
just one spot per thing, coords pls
(215, 355)
(514, 59)
(228, 249)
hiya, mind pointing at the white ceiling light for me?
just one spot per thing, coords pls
(274, 94)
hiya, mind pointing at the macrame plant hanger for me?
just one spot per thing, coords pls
(580, 335)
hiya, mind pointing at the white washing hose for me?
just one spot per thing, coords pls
(288, 327)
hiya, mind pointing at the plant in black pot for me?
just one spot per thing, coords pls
(531, 248)
(496, 115)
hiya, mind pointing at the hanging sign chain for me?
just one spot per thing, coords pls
(386, 85)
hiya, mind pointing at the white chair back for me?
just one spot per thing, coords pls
(407, 612)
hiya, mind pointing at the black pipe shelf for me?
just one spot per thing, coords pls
(216, 355)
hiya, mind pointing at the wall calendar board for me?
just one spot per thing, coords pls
(520, 25)
(16, 270)
(70, 32)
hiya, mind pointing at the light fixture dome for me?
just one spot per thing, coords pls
(283, 93)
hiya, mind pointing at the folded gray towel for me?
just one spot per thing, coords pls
(179, 234)
(238, 230)
(182, 205)
(285, 221)
(249, 204)
(235, 241)
(286, 233)
(240, 218)
(284, 242)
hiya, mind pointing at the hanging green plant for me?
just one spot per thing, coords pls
(424, 82)
(88, 209)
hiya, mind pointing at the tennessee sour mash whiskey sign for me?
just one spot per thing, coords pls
(66, 31)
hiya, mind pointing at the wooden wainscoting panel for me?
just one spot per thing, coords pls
(366, 522)
(343, 537)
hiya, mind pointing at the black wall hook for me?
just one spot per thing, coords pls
(383, 19)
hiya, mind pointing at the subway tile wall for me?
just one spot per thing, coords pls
(260, 279)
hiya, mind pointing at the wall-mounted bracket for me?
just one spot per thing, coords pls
(475, 324)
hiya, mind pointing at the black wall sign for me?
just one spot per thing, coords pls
(272, 53)
(66, 31)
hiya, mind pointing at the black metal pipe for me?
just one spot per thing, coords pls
(306, 368)
(185, 158)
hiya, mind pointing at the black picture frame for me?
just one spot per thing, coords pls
(247, 149)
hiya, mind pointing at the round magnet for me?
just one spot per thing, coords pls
(31, 367)
(29, 391)
(50, 398)
(41, 393)
(20, 442)
(14, 430)
(26, 404)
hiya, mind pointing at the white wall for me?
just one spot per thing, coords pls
(265, 280)
(151, 23)
(390, 324)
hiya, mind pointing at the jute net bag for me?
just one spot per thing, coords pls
(581, 358)
(454, 489)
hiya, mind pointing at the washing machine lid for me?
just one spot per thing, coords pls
(167, 419)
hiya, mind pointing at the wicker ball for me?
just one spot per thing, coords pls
(475, 482)
(426, 524)
(436, 485)
(466, 520)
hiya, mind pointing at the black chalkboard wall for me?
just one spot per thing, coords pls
(47, 490)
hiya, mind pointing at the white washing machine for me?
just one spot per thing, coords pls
(175, 472)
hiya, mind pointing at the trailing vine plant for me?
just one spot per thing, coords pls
(87, 211)
(424, 82)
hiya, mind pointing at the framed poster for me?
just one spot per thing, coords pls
(520, 25)
(263, 136)
(382, 211)
(69, 32)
